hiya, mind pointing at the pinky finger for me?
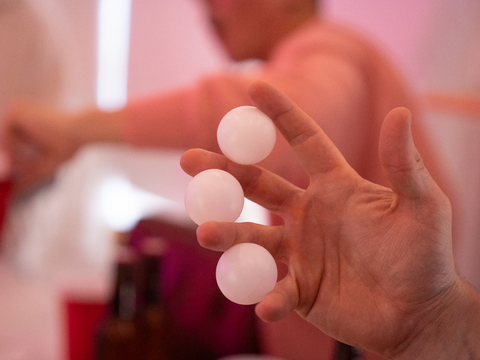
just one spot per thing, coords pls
(280, 302)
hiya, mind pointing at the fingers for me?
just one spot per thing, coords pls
(259, 185)
(311, 145)
(197, 160)
(400, 160)
(284, 298)
(280, 302)
(221, 236)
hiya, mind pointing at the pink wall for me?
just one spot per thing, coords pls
(435, 42)
(73, 26)
(170, 45)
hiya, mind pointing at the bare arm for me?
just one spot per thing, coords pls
(40, 138)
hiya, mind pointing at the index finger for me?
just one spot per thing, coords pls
(303, 134)
(259, 185)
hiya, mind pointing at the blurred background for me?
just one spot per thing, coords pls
(113, 50)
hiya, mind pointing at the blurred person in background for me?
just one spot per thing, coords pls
(339, 78)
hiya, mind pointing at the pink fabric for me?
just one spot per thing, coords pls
(338, 78)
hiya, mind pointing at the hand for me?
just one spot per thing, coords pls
(37, 139)
(368, 265)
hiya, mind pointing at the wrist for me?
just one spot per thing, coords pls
(449, 331)
(97, 126)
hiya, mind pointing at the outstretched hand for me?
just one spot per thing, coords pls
(370, 266)
(37, 139)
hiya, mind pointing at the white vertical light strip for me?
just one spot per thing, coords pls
(112, 52)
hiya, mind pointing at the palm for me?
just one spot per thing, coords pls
(368, 253)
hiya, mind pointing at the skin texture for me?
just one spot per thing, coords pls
(368, 265)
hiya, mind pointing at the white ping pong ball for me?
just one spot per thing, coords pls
(246, 273)
(246, 135)
(214, 195)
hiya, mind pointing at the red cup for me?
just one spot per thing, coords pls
(5, 190)
(83, 317)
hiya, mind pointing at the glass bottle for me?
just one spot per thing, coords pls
(151, 317)
(118, 337)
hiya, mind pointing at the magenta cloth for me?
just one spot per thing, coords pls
(203, 323)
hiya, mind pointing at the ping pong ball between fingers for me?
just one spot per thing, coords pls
(214, 195)
(246, 273)
(246, 135)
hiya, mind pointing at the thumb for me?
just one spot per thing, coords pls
(401, 162)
